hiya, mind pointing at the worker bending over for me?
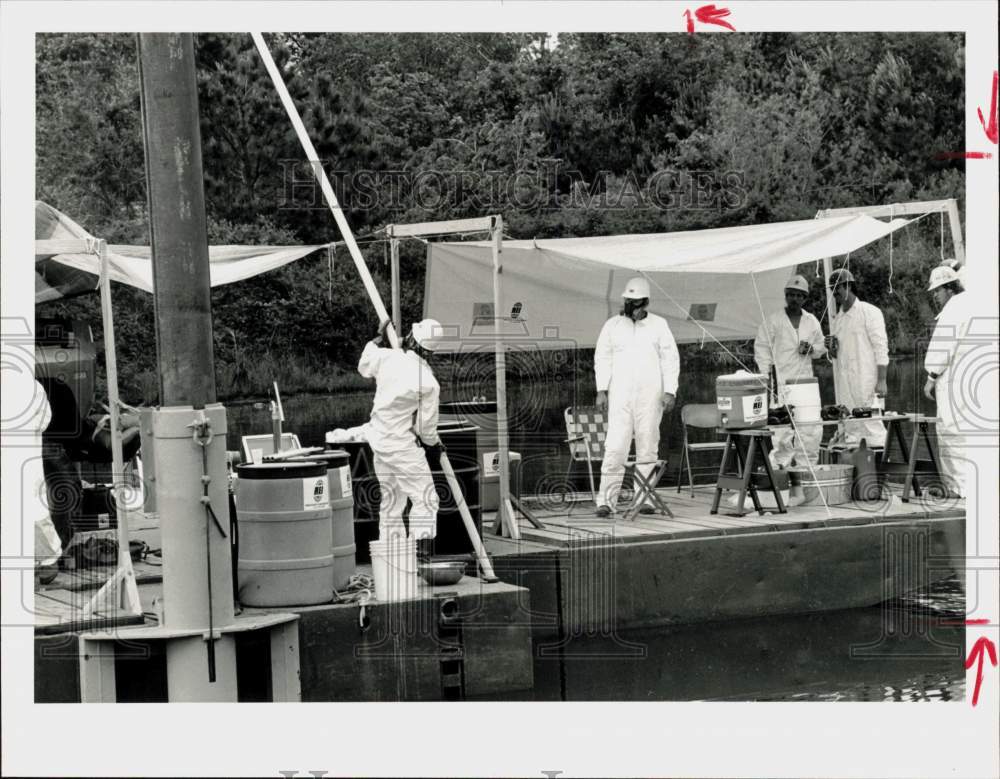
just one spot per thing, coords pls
(404, 413)
(636, 365)
(789, 340)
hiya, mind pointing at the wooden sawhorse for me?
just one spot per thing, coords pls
(745, 445)
(912, 466)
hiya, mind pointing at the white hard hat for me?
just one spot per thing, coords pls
(941, 275)
(427, 333)
(839, 276)
(798, 282)
(636, 289)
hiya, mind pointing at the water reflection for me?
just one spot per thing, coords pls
(853, 655)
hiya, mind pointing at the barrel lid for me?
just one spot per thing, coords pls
(742, 378)
(806, 380)
(330, 457)
(283, 470)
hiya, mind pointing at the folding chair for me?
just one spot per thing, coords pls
(701, 416)
(645, 487)
(586, 429)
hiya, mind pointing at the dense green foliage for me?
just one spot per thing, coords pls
(606, 133)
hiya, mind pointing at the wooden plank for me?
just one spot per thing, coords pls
(483, 224)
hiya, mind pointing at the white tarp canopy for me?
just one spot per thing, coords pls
(708, 284)
(66, 262)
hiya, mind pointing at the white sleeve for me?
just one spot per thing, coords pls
(427, 416)
(815, 337)
(942, 345)
(670, 360)
(875, 324)
(762, 349)
(371, 360)
(603, 357)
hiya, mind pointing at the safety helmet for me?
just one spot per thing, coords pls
(839, 276)
(798, 282)
(427, 333)
(636, 289)
(941, 275)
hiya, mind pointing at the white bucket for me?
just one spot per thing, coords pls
(803, 396)
(394, 568)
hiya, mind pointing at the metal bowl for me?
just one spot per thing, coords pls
(439, 573)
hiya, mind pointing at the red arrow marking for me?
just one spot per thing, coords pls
(709, 14)
(963, 155)
(991, 128)
(980, 649)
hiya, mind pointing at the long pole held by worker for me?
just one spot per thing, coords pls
(366, 277)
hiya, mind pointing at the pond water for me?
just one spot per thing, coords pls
(535, 411)
(900, 651)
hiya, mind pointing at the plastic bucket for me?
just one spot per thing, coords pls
(394, 568)
(338, 470)
(803, 396)
(823, 483)
(283, 511)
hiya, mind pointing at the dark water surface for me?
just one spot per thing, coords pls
(899, 651)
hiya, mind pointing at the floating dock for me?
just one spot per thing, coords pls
(578, 577)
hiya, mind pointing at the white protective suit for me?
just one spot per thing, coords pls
(862, 346)
(777, 344)
(405, 406)
(635, 363)
(944, 353)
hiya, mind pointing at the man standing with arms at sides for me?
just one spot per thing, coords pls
(636, 365)
(859, 349)
(405, 409)
(943, 383)
(789, 340)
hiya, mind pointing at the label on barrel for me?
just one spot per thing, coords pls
(491, 463)
(725, 403)
(315, 494)
(345, 481)
(754, 408)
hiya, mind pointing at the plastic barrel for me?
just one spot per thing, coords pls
(338, 470)
(285, 558)
(452, 538)
(367, 495)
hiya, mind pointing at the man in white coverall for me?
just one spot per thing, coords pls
(636, 365)
(943, 383)
(789, 340)
(859, 349)
(405, 408)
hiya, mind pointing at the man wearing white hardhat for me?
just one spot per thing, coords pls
(636, 365)
(405, 409)
(789, 340)
(858, 347)
(943, 383)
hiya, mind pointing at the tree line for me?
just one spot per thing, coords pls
(589, 134)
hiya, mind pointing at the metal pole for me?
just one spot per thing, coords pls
(831, 310)
(505, 511)
(956, 231)
(189, 429)
(177, 224)
(397, 318)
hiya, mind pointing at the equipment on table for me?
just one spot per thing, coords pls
(255, 447)
(802, 396)
(741, 400)
(700, 416)
(285, 527)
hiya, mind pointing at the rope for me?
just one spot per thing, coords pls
(890, 251)
(331, 252)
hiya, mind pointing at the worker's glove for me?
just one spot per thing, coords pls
(668, 402)
(380, 339)
(831, 344)
(929, 388)
(805, 348)
(602, 400)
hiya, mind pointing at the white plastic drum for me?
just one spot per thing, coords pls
(803, 396)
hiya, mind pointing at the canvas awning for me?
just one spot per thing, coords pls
(66, 262)
(708, 284)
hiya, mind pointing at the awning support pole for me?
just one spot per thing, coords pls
(831, 310)
(397, 317)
